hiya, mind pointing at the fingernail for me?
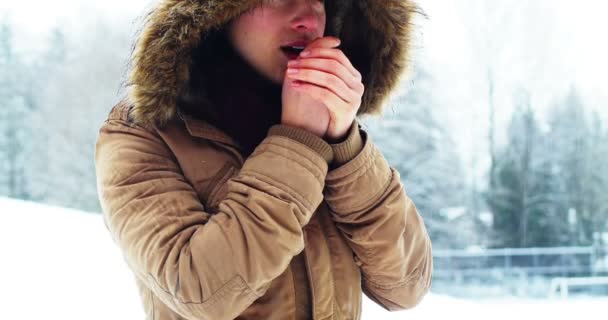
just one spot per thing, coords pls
(293, 63)
(292, 71)
(305, 53)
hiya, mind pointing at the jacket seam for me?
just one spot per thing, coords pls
(293, 282)
(346, 209)
(212, 300)
(125, 125)
(264, 178)
(305, 166)
(306, 155)
(415, 278)
(324, 233)
(209, 189)
(317, 173)
(217, 184)
(359, 163)
(411, 280)
(315, 147)
(353, 175)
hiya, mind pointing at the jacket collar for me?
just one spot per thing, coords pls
(202, 129)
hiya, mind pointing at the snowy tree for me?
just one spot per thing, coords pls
(39, 77)
(580, 147)
(14, 107)
(74, 103)
(497, 38)
(6, 97)
(420, 148)
(524, 198)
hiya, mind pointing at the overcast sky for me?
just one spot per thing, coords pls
(552, 43)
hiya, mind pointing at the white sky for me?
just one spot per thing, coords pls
(568, 39)
(38, 15)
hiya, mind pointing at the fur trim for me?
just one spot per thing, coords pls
(375, 36)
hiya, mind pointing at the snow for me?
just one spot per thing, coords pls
(62, 264)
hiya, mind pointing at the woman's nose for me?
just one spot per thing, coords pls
(309, 15)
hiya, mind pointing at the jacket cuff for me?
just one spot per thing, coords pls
(304, 137)
(349, 148)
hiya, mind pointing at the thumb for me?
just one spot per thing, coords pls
(324, 42)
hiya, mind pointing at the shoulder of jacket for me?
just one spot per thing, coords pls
(121, 112)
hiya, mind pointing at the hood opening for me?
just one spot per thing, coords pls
(375, 36)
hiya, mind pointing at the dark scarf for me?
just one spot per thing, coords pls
(230, 94)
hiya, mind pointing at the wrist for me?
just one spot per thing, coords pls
(351, 145)
(338, 136)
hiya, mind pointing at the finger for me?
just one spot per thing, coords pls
(330, 66)
(332, 54)
(325, 80)
(324, 42)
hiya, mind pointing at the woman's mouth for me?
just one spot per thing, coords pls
(292, 52)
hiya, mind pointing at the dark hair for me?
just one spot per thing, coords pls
(213, 48)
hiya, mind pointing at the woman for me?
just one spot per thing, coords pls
(235, 177)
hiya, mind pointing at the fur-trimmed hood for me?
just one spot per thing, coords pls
(375, 35)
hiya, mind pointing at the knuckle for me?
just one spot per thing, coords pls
(306, 74)
(309, 75)
(330, 64)
(361, 86)
(331, 80)
(335, 65)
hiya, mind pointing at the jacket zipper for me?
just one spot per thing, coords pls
(308, 283)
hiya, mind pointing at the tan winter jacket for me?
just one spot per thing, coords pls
(296, 230)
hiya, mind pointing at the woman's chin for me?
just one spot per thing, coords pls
(277, 78)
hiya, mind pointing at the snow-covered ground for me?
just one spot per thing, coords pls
(62, 264)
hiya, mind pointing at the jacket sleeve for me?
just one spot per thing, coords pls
(380, 223)
(206, 266)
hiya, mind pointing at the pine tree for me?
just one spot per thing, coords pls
(523, 198)
(578, 156)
